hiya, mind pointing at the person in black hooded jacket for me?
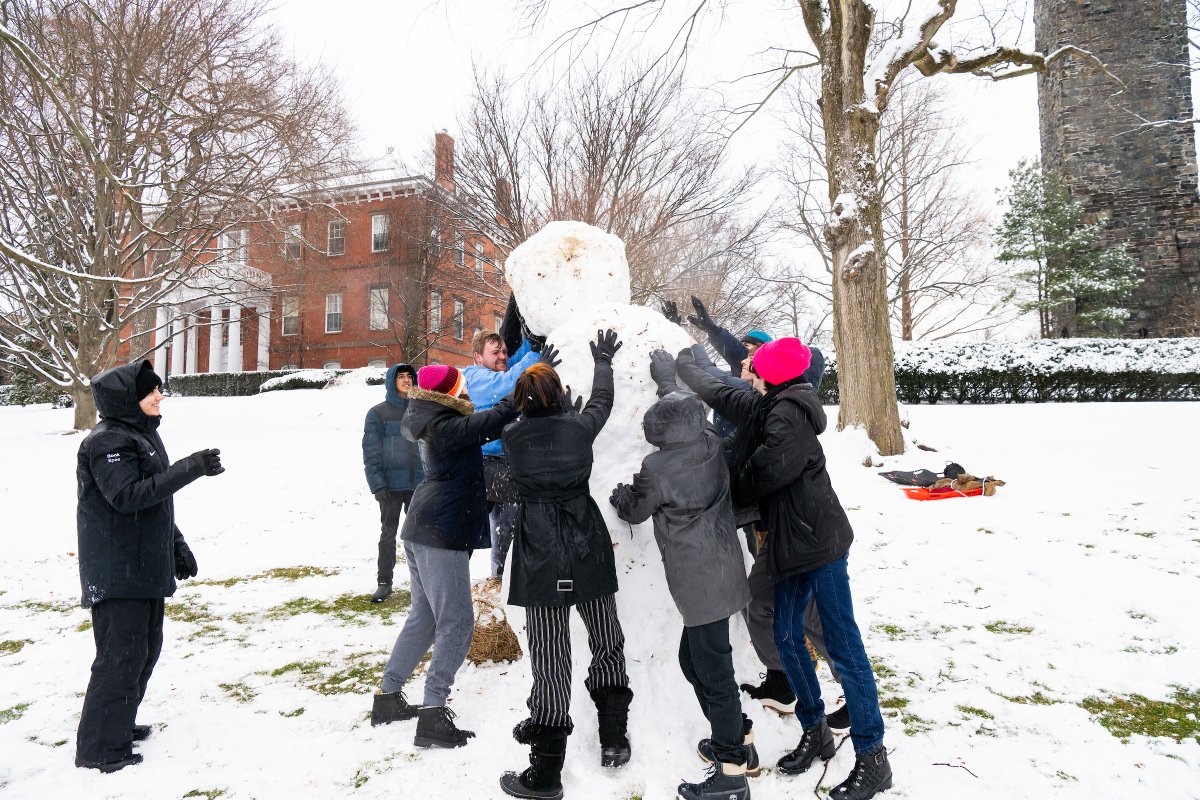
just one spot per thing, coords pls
(779, 464)
(130, 554)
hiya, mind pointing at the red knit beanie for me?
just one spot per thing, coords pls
(440, 378)
(781, 360)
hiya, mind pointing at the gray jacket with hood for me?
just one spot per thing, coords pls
(685, 486)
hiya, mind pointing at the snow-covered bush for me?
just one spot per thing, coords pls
(26, 390)
(1042, 370)
(223, 384)
(302, 379)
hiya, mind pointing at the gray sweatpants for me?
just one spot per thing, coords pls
(441, 616)
(760, 620)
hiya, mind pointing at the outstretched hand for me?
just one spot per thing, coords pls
(662, 369)
(209, 461)
(605, 346)
(621, 494)
(671, 312)
(549, 355)
(702, 319)
(570, 403)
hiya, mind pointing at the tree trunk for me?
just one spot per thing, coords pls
(85, 406)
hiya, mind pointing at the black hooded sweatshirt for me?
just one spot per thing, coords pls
(125, 516)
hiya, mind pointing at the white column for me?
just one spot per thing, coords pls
(177, 344)
(264, 338)
(193, 345)
(235, 338)
(214, 340)
(160, 341)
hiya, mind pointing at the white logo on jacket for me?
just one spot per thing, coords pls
(115, 457)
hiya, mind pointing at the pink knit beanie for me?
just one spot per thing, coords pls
(440, 378)
(781, 360)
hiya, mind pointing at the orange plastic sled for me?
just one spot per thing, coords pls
(923, 493)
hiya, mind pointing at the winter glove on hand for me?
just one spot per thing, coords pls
(185, 562)
(622, 494)
(209, 461)
(572, 404)
(662, 370)
(605, 346)
(381, 495)
(511, 329)
(549, 355)
(702, 320)
(671, 312)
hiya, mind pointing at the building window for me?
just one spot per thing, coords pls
(337, 237)
(435, 312)
(291, 242)
(479, 259)
(499, 273)
(332, 365)
(291, 316)
(233, 245)
(460, 312)
(377, 363)
(333, 312)
(499, 322)
(286, 367)
(460, 250)
(377, 301)
(476, 333)
(379, 233)
(435, 242)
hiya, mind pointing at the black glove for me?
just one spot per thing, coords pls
(185, 562)
(605, 346)
(662, 370)
(511, 328)
(622, 494)
(572, 404)
(549, 355)
(381, 494)
(671, 312)
(209, 461)
(702, 319)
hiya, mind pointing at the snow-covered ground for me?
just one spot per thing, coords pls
(990, 619)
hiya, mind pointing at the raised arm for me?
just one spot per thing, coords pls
(735, 404)
(113, 462)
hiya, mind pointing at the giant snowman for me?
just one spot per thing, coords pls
(570, 280)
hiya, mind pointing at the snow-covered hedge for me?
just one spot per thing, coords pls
(223, 384)
(302, 379)
(1044, 370)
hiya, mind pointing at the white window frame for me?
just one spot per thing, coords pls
(460, 250)
(435, 312)
(479, 260)
(290, 310)
(338, 226)
(460, 318)
(333, 312)
(332, 365)
(435, 242)
(234, 245)
(377, 308)
(499, 320)
(379, 233)
(377, 363)
(293, 241)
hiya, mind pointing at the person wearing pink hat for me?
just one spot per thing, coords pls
(778, 463)
(446, 521)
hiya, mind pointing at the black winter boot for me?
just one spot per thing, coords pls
(435, 728)
(612, 711)
(839, 720)
(382, 592)
(390, 707)
(142, 732)
(109, 766)
(753, 768)
(816, 741)
(774, 692)
(547, 752)
(870, 775)
(724, 782)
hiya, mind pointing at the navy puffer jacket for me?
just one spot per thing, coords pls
(389, 460)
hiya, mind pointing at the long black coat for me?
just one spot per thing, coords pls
(562, 553)
(125, 516)
(685, 485)
(449, 507)
(785, 473)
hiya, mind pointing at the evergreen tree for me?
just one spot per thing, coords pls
(1069, 273)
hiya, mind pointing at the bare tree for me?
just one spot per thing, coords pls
(133, 134)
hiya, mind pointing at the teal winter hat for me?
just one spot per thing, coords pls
(756, 337)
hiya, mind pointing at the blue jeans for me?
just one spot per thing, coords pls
(830, 586)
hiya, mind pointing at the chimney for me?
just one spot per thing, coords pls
(443, 154)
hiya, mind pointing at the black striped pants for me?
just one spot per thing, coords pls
(550, 655)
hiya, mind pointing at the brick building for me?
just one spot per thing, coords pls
(373, 269)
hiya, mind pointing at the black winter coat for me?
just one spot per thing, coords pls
(125, 516)
(449, 508)
(685, 485)
(562, 553)
(785, 474)
(390, 461)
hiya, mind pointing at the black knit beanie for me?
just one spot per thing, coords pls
(146, 381)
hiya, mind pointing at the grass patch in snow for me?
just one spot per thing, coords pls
(972, 711)
(1035, 699)
(295, 713)
(353, 608)
(210, 794)
(1000, 626)
(360, 673)
(1125, 716)
(278, 573)
(13, 714)
(882, 671)
(10, 646)
(239, 691)
(42, 605)
(891, 631)
(86, 625)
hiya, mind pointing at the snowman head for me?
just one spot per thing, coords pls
(565, 269)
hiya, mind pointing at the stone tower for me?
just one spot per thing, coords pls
(1139, 181)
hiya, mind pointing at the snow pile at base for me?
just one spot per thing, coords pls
(1050, 355)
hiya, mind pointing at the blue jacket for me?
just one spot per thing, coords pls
(389, 460)
(488, 387)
